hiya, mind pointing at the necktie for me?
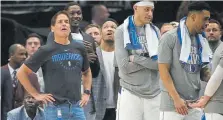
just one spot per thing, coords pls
(14, 79)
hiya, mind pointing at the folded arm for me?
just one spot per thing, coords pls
(122, 56)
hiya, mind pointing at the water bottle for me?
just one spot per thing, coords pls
(59, 114)
(203, 116)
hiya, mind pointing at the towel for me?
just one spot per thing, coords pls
(185, 41)
(131, 39)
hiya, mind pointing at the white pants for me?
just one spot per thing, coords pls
(132, 107)
(118, 104)
(193, 114)
(213, 116)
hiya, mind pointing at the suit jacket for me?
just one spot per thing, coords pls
(20, 114)
(6, 93)
(95, 67)
(99, 87)
(18, 95)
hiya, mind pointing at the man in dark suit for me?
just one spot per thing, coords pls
(12, 90)
(6, 83)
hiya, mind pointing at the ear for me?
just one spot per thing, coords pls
(134, 7)
(10, 57)
(52, 28)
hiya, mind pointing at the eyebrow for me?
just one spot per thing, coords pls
(63, 20)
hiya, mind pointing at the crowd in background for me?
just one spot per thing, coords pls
(127, 81)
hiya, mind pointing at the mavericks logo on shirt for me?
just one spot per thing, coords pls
(193, 65)
(68, 61)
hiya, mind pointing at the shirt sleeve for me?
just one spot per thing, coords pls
(50, 38)
(85, 65)
(37, 59)
(165, 50)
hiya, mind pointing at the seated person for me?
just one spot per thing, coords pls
(31, 110)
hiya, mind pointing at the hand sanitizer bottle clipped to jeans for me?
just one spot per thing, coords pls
(59, 114)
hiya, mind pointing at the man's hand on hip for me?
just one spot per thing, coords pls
(84, 100)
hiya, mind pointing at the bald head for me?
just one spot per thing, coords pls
(13, 48)
(17, 55)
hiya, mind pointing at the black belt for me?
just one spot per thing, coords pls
(64, 102)
(61, 100)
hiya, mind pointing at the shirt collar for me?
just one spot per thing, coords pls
(37, 114)
(26, 115)
(11, 70)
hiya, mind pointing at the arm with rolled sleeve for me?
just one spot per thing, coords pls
(215, 80)
(31, 65)
(122, 56)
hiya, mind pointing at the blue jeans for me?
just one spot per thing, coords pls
(66, 112)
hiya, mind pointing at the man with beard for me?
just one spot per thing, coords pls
(213, 33)
(31, 110)
(182, 53)
(95, 32)
(14, 94)
(107, 85)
